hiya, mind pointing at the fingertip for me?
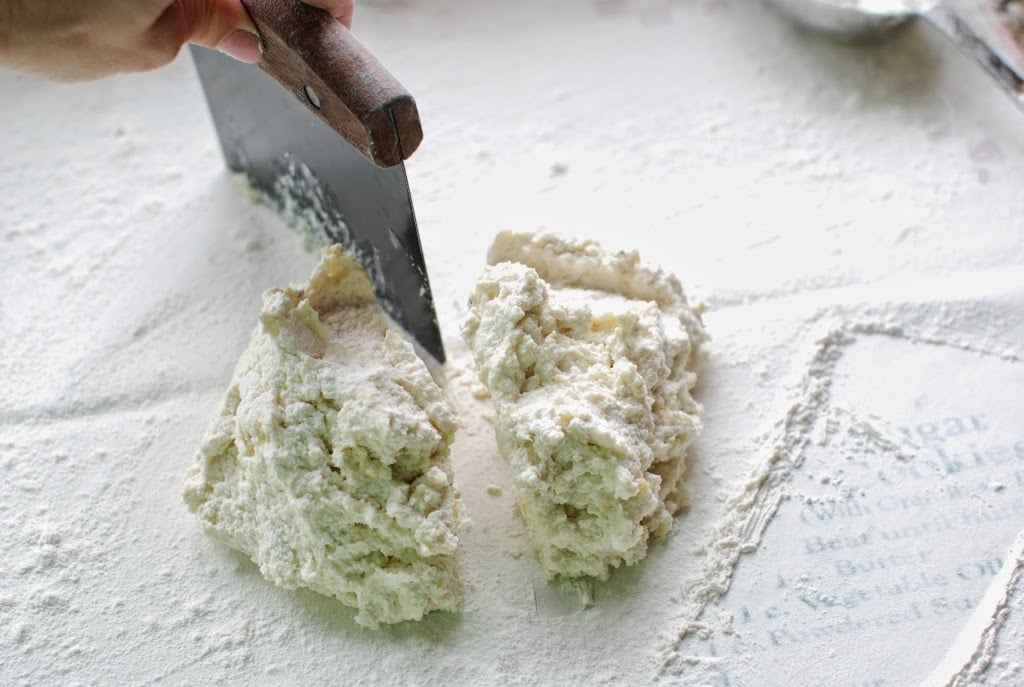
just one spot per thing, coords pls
(223, 25)
(243, 46)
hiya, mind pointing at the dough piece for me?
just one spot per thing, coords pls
(590, 360)
(328, 464)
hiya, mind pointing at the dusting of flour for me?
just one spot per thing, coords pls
(809, 417)
(800, 187)
(987, 652)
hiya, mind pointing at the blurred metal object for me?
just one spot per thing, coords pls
(988, 31)
(849, 20)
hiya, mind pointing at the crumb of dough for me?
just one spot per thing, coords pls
(328, 462)
(589, 357)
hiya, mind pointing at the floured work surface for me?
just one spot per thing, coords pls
(807, 191)
(886, 503)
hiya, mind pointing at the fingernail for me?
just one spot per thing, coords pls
(242, 45)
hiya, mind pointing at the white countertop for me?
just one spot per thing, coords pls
(788, 181)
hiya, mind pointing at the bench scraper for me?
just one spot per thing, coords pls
(337, 176)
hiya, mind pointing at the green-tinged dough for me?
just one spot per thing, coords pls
(328, 463)
(589, 357)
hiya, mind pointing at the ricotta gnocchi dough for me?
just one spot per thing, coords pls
(328, 462)
(589, 357)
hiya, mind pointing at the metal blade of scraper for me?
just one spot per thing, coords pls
(320, 182)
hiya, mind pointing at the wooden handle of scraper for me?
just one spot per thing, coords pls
(316, 58)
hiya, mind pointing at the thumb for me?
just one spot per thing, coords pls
(223, 25)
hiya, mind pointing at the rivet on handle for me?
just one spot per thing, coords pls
(311, 96)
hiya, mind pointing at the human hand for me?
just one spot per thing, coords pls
(89, 39)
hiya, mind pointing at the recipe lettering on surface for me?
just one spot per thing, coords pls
(891, 529)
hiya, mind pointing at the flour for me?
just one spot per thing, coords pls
(810, 418)
(755, 503)
(988, 649)
(786, 178)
